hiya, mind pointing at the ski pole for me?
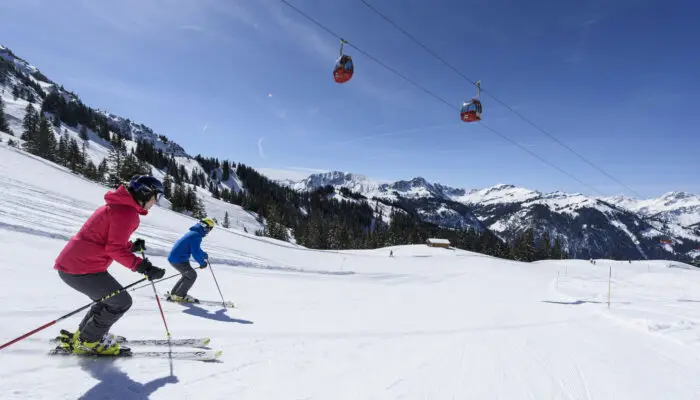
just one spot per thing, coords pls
(116, 292)
(167, 331)
(223, 302)
(155, 292)
(161, 280)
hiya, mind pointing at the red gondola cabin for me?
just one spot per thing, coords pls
(471, 111)
(344, 69)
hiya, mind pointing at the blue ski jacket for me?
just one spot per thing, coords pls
(189, 245)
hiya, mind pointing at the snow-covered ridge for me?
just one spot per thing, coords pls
(354, 182)
(135, 132)
(508, 210)
(676, 207)
(121, 125)
(22, 65)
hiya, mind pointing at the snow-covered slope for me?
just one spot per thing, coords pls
(425, 323)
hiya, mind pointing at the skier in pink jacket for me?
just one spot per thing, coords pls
(83, 262)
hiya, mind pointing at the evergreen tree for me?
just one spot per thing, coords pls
(116, 157)
(102, 171)
(544, 250)
(30, 128)
(167, 187)
(84, 155)
(63, 149)
(4, 126)
(227, 223)
(104, 131)
(76, 158)
(83, 132)
(45, 145)
(198, 210)
(226, 174)
(131, 166)
(525, 247)
(90, 171)
(179, 198)
(225, 195)
(557, 252)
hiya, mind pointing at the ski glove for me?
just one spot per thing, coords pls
(204, 264)
(138, 245)
(149, 270)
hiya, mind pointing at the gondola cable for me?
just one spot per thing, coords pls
(503, 103)
(431, 93)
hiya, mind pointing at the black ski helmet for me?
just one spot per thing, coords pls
(143, 187)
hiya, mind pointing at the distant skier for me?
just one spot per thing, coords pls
(189, 245)
(83, 263)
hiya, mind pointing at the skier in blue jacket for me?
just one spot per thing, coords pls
(179, 257)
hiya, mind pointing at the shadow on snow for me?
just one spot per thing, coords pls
(219, 315)
(116, 384)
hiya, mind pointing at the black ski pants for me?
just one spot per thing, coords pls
(104, 314)
(189, 275)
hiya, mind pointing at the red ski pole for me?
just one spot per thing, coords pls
(155, 292)
(116, 292)
(161, 309)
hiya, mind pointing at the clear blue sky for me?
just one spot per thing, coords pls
(250, 80)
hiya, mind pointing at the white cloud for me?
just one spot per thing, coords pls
(194, 28)
(156, 19)
(389, 133)
(326, 49)
(312, 170)
(115, 87)
(260, 147)
(289, 173)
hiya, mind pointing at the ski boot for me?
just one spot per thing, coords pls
(65, 339)
(180, 299)
(106, 346)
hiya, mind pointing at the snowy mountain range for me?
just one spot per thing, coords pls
(587, 227)
(678, 208)
(619, 227)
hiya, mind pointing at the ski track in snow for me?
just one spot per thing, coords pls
(424, 324)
